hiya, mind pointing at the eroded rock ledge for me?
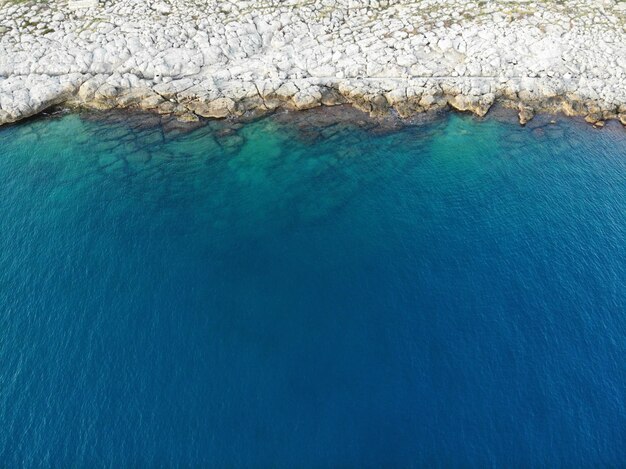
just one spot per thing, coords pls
(246, 58)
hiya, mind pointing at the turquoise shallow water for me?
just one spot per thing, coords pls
(446, 295)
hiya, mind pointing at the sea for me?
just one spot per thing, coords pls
(309, 292)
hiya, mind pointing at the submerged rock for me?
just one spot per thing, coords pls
(526, 113)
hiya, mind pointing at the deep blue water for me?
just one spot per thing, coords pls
(447, 295)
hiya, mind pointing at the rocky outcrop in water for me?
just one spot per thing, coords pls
(246, 58)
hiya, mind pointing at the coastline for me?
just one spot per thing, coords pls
(244, 60)
(319, 123)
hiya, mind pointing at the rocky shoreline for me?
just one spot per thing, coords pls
(245, 59)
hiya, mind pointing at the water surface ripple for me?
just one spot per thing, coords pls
(445, 295)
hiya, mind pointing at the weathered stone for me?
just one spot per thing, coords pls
(526, 113)
(245, 58)
(307, 99)
(478, 105)
(187, 117)
(80, 4)
(219, 108)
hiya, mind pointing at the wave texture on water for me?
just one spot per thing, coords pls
(274, 295)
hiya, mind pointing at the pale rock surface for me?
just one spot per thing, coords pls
(220, 58)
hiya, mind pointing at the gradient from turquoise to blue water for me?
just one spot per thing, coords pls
(446, 295)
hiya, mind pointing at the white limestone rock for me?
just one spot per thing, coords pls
(81, 4)
(225, 58)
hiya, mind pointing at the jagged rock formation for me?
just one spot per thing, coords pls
(219, 58)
